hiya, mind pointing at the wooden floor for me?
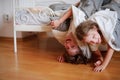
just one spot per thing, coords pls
(37, 61)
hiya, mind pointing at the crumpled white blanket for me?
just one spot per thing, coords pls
(106, 20)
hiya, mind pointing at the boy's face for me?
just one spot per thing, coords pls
(92, 37)
(71, 46)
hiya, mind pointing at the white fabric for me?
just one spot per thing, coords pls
(59, 35)
(118, 1)
(106, 20)
(78, 17)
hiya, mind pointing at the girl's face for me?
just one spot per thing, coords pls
(92, 37)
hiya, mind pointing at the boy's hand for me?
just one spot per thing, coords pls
(55, 23)
(60, 59)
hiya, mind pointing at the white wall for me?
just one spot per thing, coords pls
(1, 9)
(6, 28)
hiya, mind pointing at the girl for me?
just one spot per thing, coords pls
(103, 26)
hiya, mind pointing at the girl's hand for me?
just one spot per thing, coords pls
(55, 23)
(106, 61)
(99, 68)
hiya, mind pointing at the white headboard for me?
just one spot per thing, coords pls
(32, 3)
(47, 2)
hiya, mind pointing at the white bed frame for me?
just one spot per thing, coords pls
(32, 28)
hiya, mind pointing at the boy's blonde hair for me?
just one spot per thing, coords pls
(84, 27)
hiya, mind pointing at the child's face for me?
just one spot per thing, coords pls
(71, 47)
(92, 37)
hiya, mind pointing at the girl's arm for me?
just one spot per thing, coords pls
(67, 14)
(106, 60)
(56, 23)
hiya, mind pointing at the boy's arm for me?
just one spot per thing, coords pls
(106, 60)
(61, 58)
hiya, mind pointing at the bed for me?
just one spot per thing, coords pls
(31, 26)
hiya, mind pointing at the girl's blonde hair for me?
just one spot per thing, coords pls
(84, 27)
